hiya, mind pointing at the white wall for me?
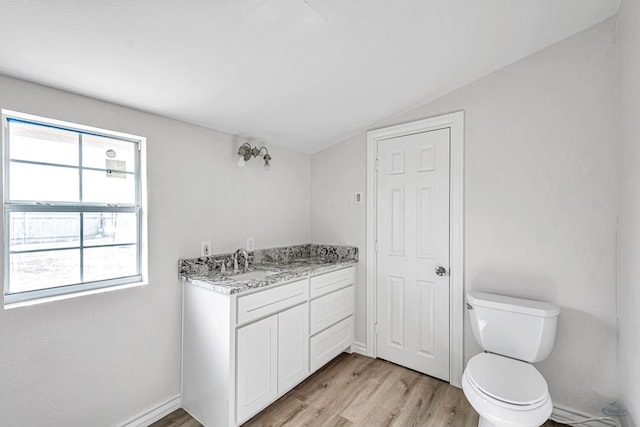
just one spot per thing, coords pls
(336, 174)
(540, 200)
(629, 234)
(99, 360)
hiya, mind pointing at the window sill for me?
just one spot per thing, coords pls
(73, 295)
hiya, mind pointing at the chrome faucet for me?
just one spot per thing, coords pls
(235, 260)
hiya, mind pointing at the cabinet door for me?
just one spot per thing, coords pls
(256, 367)
(293, 347)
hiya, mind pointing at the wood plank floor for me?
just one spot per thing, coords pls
(354, 390)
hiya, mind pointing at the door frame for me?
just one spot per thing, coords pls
(454, 121)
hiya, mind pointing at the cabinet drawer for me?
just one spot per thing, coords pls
(328, 309)
(330, 343)
(329, 282)
(264, 303)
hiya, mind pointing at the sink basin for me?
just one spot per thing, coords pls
(257, 274)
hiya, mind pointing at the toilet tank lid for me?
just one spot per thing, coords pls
(517, 305)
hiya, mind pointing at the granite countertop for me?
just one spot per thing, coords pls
(226, 284)
(287, 263)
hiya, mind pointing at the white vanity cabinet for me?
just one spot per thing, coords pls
(243, 351)
(331, 315)
(272, 357)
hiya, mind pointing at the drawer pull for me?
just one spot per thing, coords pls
(330, 343)
(331, 308)
(269, 301)
(327, 283)
(330, 284)
(274, 302)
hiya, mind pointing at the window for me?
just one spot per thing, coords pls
(73, 201)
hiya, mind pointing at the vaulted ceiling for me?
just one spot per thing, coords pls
(301, 74)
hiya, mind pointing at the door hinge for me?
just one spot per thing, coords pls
(376, 246)
(376, 165)
(376, 328)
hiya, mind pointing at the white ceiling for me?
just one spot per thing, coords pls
(301, 74)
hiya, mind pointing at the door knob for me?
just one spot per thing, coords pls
(441, 271)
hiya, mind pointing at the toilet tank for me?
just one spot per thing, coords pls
(515, 327)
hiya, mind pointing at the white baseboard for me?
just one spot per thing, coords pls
(564, 414)
(154, 414)
(360, 348)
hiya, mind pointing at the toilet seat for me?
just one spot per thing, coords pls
(501, 414)
(513, 383)
(506, 392)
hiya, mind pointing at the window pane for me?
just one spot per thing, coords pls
(43, 230)
(107, 228)
(43, 144)
(111, 262)
(53, 240)
(102, 187)
(100, 152)
(41, 270)
(43, 183)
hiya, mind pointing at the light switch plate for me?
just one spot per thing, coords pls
(357, 198)
(205, 248)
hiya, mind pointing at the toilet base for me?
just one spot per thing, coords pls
(483, 422)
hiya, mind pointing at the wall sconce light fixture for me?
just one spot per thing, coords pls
(245, 152)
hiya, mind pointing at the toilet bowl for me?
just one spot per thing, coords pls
(501, 384)
(506, 392)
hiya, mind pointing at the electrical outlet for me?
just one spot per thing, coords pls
(205, 248)
(250, 244)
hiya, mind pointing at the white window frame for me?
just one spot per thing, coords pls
(139, 207)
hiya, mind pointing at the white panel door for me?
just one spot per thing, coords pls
(293, 347)
(413, 241)
(257, 367)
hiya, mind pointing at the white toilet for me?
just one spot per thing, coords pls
(501, 384)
